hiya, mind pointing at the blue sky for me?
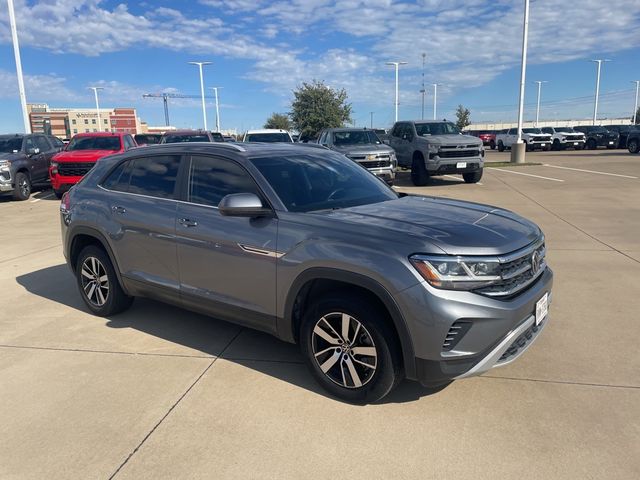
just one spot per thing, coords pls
(261, 50)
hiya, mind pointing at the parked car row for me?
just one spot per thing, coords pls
(559, 138)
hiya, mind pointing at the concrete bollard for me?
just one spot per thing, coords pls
(518, 152)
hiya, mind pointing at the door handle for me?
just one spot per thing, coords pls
(185, 222)
(119, 210)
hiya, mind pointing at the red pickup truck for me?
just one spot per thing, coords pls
(488, 137)
(80, 155)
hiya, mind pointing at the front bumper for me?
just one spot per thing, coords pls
(495, 325)
(439, 166)
(62, 183)
(6, 182)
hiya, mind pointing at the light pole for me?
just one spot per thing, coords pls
(539, 82)
(435, 100)
(95, 92)
(371, 113)
(215, 91)
(595, 103)
(635, 108)
(16, 53)
(396, 65)
(423, 91)
(204, 110)
(517, 153)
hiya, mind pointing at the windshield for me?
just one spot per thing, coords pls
(355, 137)
(598, 129)
(94, 143)
(10, 145)
(185, 138)
(268, 137)
(321, 180)
(147, 139)
(444, 128)
(531, 130)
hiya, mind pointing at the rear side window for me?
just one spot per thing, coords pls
(42, 143)
(152, 176)
(211, 178)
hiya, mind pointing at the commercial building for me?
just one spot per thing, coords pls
(66, 122)
(551, 123)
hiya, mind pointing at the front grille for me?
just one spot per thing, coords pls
(462, 153)
(75, 169)
(518, 273)
(376, 164)
(361, 157)
(455, 334)
(575, 137)
(520, 342)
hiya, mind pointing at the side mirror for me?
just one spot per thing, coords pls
(405, 136)
(33, 151)
(243, 205)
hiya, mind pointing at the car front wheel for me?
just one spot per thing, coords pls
(472, 177)
(633, 146)
(98, 283)
(23, 187)
(350, 348)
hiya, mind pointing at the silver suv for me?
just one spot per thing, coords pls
(433, 148)
(294, 240)
(363, 146)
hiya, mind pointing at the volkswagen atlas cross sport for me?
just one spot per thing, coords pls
(298, 241)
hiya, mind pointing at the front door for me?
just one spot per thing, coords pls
(227, 264)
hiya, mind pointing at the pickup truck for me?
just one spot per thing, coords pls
(532, 137)
(565, 137)
(598, 136)
(436, 147)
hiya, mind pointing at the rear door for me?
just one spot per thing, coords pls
(41, 160)
(142, 204)
(227, 264)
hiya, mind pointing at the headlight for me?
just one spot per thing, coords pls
(433, 148)
(394, 159)
(457, 273)
(4, 163)
(54, 168)
(563, 139)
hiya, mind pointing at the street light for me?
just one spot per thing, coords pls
(595, 103)
(435, 100)
(539, 82)
(95, 92)
(204, 111)
(16, 53)
(517, 150)
(215, 91)
(371, 113)
(423, 91)
(396, 65)
(635, 109)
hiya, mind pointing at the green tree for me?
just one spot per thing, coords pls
(278, 120)
(463, 116)
(316, 106)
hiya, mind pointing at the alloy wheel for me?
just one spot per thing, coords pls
(95, 282)
(344, 350)
(25, 190)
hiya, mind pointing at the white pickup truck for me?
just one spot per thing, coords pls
(565, 137)
(533, 137)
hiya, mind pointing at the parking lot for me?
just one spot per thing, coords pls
(158, 392)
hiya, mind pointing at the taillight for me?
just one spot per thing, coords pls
(65, 203)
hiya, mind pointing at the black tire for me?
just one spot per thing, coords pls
(375, 382)
(547, 148)
(500, 146)
(472, 177)
(633, 145)
(492, 144)
(556, 145)
(591, 144)
(22, 190)
(419, 174)
(98, 263)
(58, 193)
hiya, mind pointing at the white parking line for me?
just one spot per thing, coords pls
(590, 171)
(528, 174)
(459, 179)
(41, 198)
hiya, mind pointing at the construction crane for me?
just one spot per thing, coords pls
(165, 97)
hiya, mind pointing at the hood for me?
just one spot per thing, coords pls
(454, 226)
(11, 156)
(454, 139)
(363, 149)
(82, 155)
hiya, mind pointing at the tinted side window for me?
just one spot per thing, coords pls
(57, 142)
(42, 143)
(29, 143)
(154, 176)
(212, 178)
(396, 130)
(118, 179)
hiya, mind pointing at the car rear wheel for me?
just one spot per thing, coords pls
(58, 193)
(472, 177)
(633, 145)
(22, 189)
(350, 348)
(98, 283)
(591, 144)
(492, 144)
(419, 174)
(500, 146)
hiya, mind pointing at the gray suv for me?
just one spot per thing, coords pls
(294, 240)
(363, 146)
(437, 147)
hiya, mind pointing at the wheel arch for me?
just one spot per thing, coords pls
(319, 280)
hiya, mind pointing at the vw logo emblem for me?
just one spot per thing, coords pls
(535, 262)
